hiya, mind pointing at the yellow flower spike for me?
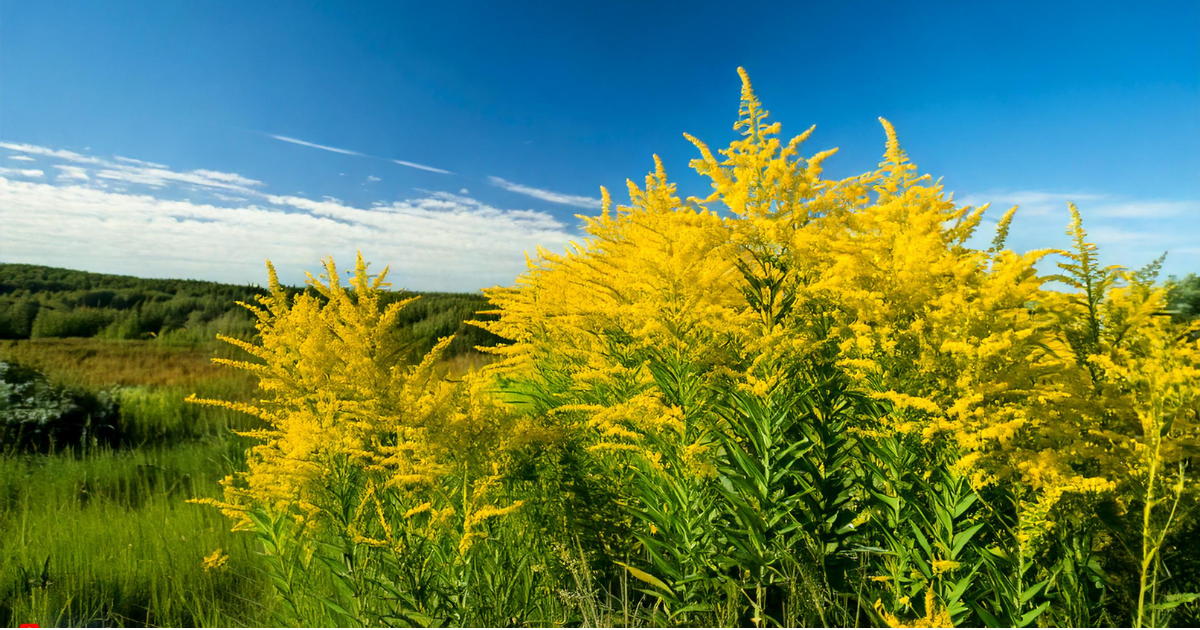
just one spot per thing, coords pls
(215, 561)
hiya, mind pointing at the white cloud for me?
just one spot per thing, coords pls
(132, 171)
(1128, 232)
(159, 177)
(546, 195)
(1148, 209)
(323, 147)
(1032, 202)
(21, 158)
(422, 167)
(372, 178)
(21, 172)
(139, 162)
(315, 145)
(72, 172)
(1025, 197)
(441, 241)
(69, 156)
(464, 192)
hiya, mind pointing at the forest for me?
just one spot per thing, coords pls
(49, 303)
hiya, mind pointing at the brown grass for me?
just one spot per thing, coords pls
(100, 363)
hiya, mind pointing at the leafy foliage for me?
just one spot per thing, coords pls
(793, 401)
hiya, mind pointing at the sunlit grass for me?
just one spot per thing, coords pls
(107, 538)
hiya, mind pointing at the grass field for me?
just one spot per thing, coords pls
(105, 536)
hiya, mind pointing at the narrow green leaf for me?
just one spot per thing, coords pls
(647, 578)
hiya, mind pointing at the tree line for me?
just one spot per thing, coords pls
(38, 302)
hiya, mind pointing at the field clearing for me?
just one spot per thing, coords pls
(105, 363)
(106, 536)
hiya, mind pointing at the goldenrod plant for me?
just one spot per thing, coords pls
(791, 401)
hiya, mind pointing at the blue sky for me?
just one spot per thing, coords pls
(185, 139)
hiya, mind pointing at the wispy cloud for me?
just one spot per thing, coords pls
(1030, 197)
(34, 149)
(158, 178)
(372, 178)
(126, 217)
(323, 147)
(21, 172)
(1032, 202)
(1128, 231)
(1147, 209)
(21, 158)
(1036, 202)
(72, 172)
(314, 145)
(546, 195)
(82, 167)
(422, 167)
(139, 162)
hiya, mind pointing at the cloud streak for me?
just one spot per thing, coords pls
(313, 145)
(72, 172)
(139, 162)
(441, 241)
(422, 167)
(323, 147)
(546, 195)
(21, 172)
(81, 167)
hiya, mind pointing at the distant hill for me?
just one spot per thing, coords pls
(46, 302)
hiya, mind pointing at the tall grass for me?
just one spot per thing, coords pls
(105, 535)
(108, 539)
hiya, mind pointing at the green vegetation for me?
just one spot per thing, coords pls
(107, 538)
(99, 452)
(1184, 297)
(95, 527)
(49, 303)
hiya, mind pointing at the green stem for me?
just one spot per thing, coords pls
(1149, 549)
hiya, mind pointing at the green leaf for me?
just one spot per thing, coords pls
(988, 618)
(647, 578)
(1033, 614)
(332, 605)
(965, 505)
(962, 538)
(921, 540)
(892, 502)
(1176, 599)
(960, 587)
(1032, 591)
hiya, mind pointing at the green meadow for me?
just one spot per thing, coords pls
(96, 527)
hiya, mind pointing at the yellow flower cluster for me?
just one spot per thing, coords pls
(215, 561)
(335, 396)
(935, 616)
(778, 266)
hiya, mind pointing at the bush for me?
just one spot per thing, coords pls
(83, 322)
(38, 416)
(17, 317)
